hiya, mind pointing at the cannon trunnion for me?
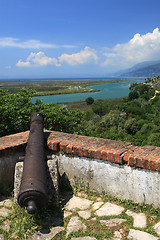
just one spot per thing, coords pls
(33, 192)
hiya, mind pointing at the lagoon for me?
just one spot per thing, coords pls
(106, 91)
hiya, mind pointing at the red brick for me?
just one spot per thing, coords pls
(56, 146)
(111, 155)
(86, 152)
(78, 148)
(138, 155)
(99, 151)
(148, 153)
(49, 145)
(69, 148)
(131, 161)
(80, 151)
(118, 154)
(98, 154)
(151, 155)
(139, 162)
(104, 154)
(159, 166)
(153, 163)
(147, 160)
(145, 163)
(92, 153)
(63, 146)
(126, 156)
(75, 150)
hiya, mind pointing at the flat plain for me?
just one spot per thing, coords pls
(53, 87)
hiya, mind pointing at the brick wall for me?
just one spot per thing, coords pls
(114, 167)
(119, 152)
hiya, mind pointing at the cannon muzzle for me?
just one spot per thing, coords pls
(33, 193)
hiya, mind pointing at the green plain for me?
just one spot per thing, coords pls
(53, 87)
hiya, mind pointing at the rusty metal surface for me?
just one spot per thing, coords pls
(33, 194)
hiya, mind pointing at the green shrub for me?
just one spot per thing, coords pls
(89, 100)
(16, 110)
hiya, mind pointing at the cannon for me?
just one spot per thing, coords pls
(33, 190)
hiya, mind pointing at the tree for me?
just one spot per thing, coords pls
(112, 119)
(131, 126)
(145, 91)
(154, 139)
(99, 108)
(89, 100)
(133, 95)
(16, 110)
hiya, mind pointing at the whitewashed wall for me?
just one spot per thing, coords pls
(122, 182)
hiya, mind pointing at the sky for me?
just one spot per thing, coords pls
(76, 38)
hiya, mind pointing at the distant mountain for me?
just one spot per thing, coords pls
(144, 69)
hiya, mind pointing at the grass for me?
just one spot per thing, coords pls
(22, 225)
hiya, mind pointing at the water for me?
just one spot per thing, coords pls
(107, 90)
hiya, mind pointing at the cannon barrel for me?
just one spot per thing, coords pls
(33, 193)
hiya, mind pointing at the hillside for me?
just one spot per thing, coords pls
(155, 82)
(145, 69)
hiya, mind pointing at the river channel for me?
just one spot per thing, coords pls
(107, 90)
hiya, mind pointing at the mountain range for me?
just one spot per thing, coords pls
(143, 69)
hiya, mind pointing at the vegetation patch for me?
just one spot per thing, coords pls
(52, 87)
(133, 119)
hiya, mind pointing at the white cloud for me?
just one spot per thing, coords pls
(36, 44)
(139, 48)
(40, 59)
(82, 57)
(37, 59)
(23, 64)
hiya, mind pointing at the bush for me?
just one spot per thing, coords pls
(99, 108)
(154, 139)
(131, 126)
(133, 95)
(16, 110)
(89, 100)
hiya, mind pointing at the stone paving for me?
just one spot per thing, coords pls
(85, 219)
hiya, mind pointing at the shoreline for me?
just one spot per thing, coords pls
(55, 87)
(115, 89)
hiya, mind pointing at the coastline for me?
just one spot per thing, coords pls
(56, 87)
(101, 90)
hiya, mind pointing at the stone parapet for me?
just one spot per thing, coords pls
(104, 165)
(119, 152)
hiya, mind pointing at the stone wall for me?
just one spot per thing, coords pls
(121, 181)
(114, 167)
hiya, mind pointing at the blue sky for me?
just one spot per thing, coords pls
(76, 38)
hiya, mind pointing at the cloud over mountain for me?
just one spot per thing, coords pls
(139, 48)
(121, 56)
